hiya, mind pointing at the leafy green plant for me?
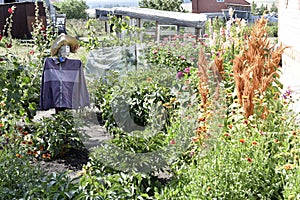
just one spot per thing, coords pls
(179, 53)
(17, 175)
(139, 90)
(272, 29)
(56, 135)
(101, 182)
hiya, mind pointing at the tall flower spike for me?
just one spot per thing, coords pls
(255, 67)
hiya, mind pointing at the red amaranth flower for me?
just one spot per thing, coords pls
(1, 37)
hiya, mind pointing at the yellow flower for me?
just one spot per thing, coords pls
(167, 105)
(172, 100)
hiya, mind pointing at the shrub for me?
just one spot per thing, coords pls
(55, 135)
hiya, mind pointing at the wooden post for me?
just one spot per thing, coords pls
(197, 32)
(157, 31)
(139, 23)
(178, 30)
(119, 34)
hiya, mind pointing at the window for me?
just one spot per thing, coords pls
(220, 0)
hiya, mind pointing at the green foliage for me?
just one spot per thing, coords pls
(139, 90)
(123, 33)
(17, 175)
(82, 27)
(21, 179)
(18, 89)
(235, 158)
(74, 9)
(253, 8)
(179, 53)
(245, 160)
(272, 29)
(263, 8)
(101, 183)
(168, 5)
(274, 8)
(54, 186)
(56, 135)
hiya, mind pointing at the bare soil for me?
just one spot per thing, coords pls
(72, 161)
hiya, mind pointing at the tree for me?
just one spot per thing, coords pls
(168, 5)
(253, 8)
(74, 9)
(262, 9)
(274, 8)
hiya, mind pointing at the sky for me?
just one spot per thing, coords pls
(101, 3)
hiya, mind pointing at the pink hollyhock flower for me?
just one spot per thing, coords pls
(10, 10)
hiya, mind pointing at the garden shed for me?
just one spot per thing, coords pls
(23, 17)
(289, 31)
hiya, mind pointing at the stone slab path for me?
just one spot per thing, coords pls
(92, 130)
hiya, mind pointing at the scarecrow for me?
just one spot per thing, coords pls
(63, 83)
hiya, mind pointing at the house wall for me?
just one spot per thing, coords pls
(210, 6)
(289, 35)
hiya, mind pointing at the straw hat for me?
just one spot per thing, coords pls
(62, 40)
